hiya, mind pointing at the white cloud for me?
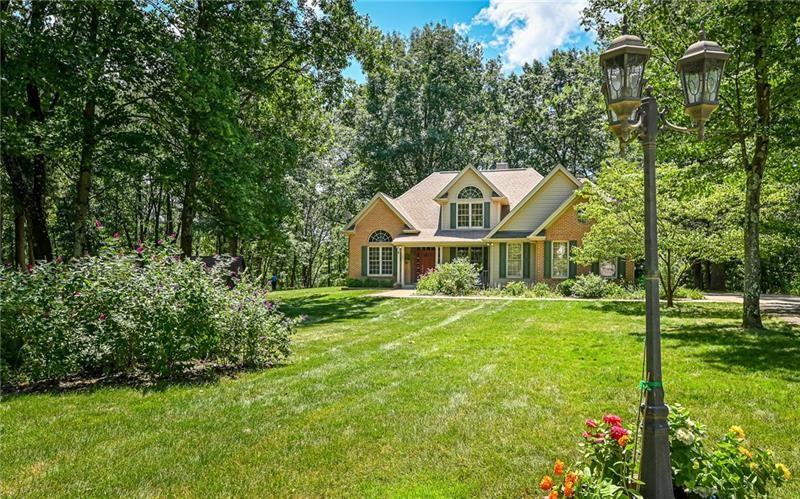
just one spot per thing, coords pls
(530, 29)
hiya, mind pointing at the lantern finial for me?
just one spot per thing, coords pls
(624, 24)
(702, 34)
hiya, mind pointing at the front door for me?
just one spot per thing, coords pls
(424, 260)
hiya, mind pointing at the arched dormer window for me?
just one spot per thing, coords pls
(380, 236)
(379, 254)
(470, 192)
(469, 210)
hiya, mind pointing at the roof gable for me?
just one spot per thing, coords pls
(558, 185)
(496, 192)
(389, 202)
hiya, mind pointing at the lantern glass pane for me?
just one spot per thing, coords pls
(613, 119)
(713, 73)
(693, 82)
(614, 77)
(635, 70)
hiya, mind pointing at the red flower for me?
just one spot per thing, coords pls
(546, 483)
(115, 235)
(102, 317)
(558, 468)
(612, 419)
(98, 224)
(591, 423)
(30, 267)
(586, 434)
(140, 249)
(618, 432)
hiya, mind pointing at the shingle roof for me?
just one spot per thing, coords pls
(419, 205)
(442, 236)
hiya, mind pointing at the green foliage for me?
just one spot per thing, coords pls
(564, 288)
(369, 282)
(455, 278)
(515, 288)
(541, 290)
(697, 220)
(728, 469)
(127, 312)
(590, 286)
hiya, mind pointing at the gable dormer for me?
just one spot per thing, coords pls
(470, 201)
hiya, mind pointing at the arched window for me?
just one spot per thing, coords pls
(469, 212)
(380, 236)
(470, 192)
(379, 254)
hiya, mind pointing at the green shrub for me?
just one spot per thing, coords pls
(589, 286)
(690, 293)
(128, 312)
(564, 288)
(541, 290)
(459, 277)
(515, 288)
(369, 283)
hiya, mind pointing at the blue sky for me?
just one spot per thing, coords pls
(517, 31)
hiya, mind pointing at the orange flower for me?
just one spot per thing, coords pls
(623, 440)
(568, 492)
(571, 479)
(559, 467)
(546, 483)
(746, 452)
(553, 495)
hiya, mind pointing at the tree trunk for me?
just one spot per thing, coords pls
(234, 245)
(697, 274)
(717, 277)
(188, 212)
(169, 220)
(20, 241)
(751, 314)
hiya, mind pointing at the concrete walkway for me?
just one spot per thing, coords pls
(785, 307)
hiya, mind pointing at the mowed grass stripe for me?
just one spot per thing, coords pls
(476, 405)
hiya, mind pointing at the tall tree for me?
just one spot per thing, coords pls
(758, 114)
(556, 116)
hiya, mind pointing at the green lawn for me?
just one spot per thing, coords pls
(404, 398)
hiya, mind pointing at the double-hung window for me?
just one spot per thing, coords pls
(379, 254)
(514, 260)
(560, 260)
(469, 213)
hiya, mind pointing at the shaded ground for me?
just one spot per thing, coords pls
(786, 307)
(404, 398)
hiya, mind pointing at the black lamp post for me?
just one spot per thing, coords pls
(700, 70)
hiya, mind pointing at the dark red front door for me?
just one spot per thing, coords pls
(424, 259)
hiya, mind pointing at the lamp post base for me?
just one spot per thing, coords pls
(656, 471)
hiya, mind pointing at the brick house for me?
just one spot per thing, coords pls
(513, 223)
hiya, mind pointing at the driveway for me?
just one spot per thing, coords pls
(786, 307)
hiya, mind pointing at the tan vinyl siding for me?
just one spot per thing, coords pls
(541, 204)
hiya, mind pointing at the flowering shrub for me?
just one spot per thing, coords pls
(459, 277)
(124, 311)
(589, 286)
(607, 467)
(515, 288)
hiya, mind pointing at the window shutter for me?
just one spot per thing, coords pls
(363, 260)
(548, 255)
(486, 218)
(452, 253)
(502, 260)
(621, 267)
(394, 263)
(452, 215)
(596, 268)
(486, 257)
(526, 260)
(573, 267)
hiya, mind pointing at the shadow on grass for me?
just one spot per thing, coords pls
(775, 350)
(202, 374)
(321, 308)
(688, 310)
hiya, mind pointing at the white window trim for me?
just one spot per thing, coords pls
(521, 261)
(470, 203)
(553, 261)
(380, 260)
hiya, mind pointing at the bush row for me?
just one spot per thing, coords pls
(133, 312)
(583, 286)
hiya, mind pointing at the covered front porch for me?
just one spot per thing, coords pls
(415, 261)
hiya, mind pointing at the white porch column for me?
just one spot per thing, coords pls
(438, 256)
(402, 260)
